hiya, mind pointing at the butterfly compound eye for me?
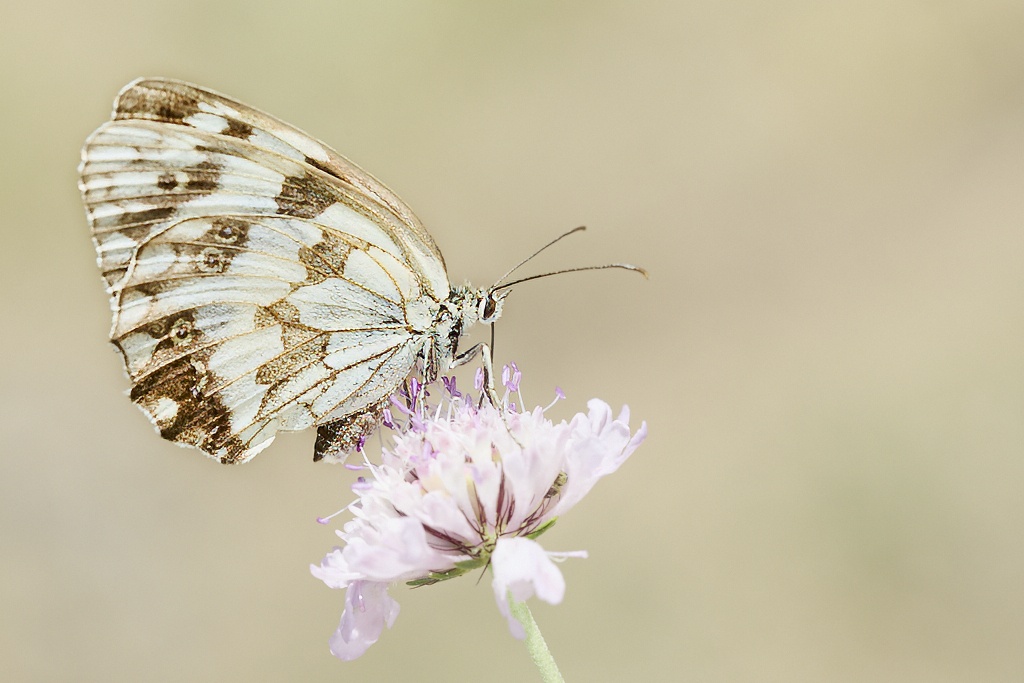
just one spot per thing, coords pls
(490, 308)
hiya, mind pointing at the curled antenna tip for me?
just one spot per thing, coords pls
(637, 269)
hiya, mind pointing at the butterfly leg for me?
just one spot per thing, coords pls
(488, 367)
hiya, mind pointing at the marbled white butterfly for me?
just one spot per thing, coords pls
(260, 281)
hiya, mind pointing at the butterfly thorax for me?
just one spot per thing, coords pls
(466, 306)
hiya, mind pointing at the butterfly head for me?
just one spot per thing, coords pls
(474, 305)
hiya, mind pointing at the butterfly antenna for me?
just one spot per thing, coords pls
(552, 242)
(622, 266)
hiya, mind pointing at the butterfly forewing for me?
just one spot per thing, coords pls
(259, 281)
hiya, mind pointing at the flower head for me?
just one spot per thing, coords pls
(466, 485)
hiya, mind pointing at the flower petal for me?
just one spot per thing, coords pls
(521, 569)
(597, 447)
(334, 570)
(368, 609)
(394, 550)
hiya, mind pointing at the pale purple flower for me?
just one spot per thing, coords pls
(465, 485)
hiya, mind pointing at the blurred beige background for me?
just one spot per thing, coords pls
(829, 199)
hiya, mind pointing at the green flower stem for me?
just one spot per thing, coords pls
(535, 644)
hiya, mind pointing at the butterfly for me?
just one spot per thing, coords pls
(259, 281)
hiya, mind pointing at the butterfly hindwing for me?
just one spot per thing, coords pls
(258, 280)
